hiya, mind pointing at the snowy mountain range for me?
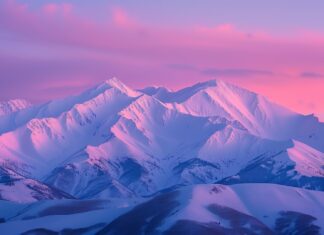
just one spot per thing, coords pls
(113, 145)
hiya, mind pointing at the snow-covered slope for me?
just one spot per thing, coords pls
(299, 166)
(113, 141)
(54, 109)
(60, 129)
(200, 209)
(217, 209)
(257, 114)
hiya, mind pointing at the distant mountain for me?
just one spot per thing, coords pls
(12, 106)
(113, 141)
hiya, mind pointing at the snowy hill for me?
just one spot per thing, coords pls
(200, 209)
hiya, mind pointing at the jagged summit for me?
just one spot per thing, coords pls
(117, 84)
(114, 82)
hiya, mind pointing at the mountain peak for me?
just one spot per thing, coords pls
(143, 103)
(114, 81)
(119, 85)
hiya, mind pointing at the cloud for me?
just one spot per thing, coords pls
(218, 72)
(183, 67)
(236, 72)
(226, 27)
(122, 19)
(311, 75)
(50, 8)
(53, 8)
(53, 43)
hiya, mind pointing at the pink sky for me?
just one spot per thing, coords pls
(52, 50)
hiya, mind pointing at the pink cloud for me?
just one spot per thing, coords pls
(225, 28)
(57, 8)
(66, 7)
(121, 18)
(50, 8)
(221, 29)
(142, 53)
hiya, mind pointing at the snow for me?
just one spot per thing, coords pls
(85, 144)
(64, 217)
(309, 161)
(263, 202)
(115, 148)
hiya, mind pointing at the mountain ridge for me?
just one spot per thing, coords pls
(137, 142)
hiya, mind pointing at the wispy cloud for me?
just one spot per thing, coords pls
(313, 75)
(54, 44)
(236, 72)
(183, 67)
(219, 72)
(122, 19)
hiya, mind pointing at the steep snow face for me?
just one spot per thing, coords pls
(161, 131)
(115, 83)
(308, 161)
(233, 149)
(45, 142)
(12, 106)
(236, 149)
(129, 164)
(299, 166)
(260, 116)
(143, 150)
